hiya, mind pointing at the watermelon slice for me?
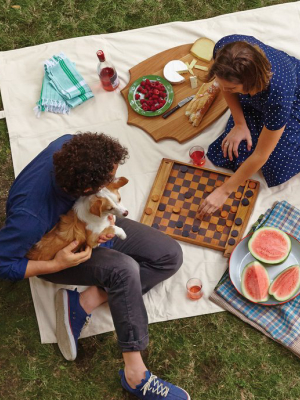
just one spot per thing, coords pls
(286, 284)
(270, 245)
(255, 282)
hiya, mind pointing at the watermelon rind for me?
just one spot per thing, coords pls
(258, 266)
(292, 292)
(258, 257)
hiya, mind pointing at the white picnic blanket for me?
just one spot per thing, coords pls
(21, 74)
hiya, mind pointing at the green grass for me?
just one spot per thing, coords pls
(215, 357)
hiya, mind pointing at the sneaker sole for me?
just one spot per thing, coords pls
(188, 396)
(64, 335)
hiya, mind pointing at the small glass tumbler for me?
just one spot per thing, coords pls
(194, 289)
(197, 155)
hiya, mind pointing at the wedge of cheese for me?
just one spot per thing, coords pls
(173, 69)
(203, 49)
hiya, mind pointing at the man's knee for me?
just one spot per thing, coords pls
(169, 254)
(176, 256)
(126, 272)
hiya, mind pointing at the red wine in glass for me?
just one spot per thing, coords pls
(197, 155)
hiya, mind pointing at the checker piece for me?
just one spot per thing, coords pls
(162, 207)
(179, 224)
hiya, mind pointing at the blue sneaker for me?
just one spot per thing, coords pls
(70, 319)
(154, 388)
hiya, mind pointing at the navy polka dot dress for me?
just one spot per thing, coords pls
(275, 107)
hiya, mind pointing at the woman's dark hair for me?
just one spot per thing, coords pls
(241, 63)
(87, 161)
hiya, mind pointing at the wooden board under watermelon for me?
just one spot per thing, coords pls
(176, 126)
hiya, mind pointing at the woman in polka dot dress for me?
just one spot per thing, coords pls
(261, 86)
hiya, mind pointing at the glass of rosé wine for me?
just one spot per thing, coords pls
(194, 289)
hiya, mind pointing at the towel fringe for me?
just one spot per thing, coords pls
(53, 106)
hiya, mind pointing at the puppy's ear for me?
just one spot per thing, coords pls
(119, 182)
(96, 207)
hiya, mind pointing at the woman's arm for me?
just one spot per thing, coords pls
(239, 132)
(266, 144)
(232, 100)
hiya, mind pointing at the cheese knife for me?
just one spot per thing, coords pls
(180, 104)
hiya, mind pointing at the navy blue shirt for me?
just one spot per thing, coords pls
(34, 205)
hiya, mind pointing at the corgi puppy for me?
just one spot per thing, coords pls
(85, 222)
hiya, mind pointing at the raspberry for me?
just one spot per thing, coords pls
(154, 95)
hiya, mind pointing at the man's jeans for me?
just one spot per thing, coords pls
(129, 270)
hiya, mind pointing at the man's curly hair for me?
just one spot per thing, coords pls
(87, 161)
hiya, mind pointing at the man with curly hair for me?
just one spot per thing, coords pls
(117, 271)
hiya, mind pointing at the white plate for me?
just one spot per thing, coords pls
(241, 256)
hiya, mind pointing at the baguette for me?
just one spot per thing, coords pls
(195, 99)
(201, 103)
(213, 91)
(196, 104)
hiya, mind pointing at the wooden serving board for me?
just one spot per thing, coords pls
(177, 125)
(167, 205)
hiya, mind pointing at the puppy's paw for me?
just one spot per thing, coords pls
(120, 233)
(123, 236)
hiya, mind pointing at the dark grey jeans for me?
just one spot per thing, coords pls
(129, 270)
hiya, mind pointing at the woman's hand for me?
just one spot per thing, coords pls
(212, 202)
(230, 143)
(105, 238)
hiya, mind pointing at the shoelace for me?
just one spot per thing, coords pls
(160, 388)
(87, 321)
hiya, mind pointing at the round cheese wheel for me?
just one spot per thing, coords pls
(170, 71)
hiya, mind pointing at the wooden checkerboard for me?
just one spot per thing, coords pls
(175, 196)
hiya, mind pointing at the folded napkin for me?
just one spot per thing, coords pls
(281, 323)
(63, 87)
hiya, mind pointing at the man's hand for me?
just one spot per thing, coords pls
(65, 258)
(212, 202)
(105, 238)
(230, 143)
